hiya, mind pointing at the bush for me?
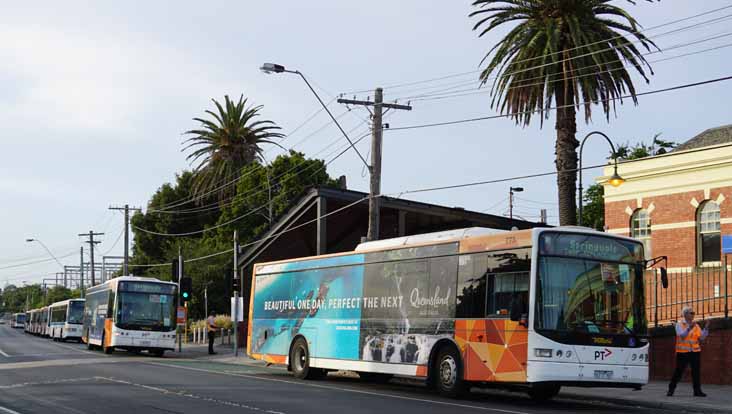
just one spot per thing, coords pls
(221, 321)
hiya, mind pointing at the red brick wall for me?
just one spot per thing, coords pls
(678, 244)
(716, 365)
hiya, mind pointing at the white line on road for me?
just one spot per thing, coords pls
(4, 354)
(7, 410)
(189, 395)
(378, 394)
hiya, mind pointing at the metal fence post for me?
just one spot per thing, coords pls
(726, 304)
(655, 300)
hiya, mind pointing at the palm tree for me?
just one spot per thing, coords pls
(570, 53)
(226, 144)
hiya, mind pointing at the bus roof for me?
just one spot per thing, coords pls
(113, 282)
(472, 240)
(66, 302)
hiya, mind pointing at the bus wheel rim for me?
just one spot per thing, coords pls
(448, 371)
(300, 358)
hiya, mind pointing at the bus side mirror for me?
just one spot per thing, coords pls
(664, 278)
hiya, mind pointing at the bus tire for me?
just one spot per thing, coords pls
(375, 377)
(158, 352)
(543, 392)
(448, 373)
(300, 361)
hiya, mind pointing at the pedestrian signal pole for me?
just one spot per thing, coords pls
(179, 270)
(236, 295)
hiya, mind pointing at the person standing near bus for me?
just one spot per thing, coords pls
(689, 336)
(211, 326)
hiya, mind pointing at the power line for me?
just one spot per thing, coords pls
(404, 84)
(484, 118)
(474, 91)
(37, 261)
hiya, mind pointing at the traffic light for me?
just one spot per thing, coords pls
(186, 287)
(235, 285)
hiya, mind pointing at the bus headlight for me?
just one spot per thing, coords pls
(543, 352)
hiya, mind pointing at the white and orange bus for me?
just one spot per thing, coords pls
(132, 313)
(65, 320)
(540, 309)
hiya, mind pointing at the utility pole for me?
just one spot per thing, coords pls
(91, 242)
(126, 209)
(180, 276)
(81, 270)
(511, 190)
(377, 131)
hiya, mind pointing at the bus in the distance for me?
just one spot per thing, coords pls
(18, 321)
(66, 320)
(43, 321)
(538, 309)
(131, 313)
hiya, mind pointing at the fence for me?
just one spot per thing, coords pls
(707, 289)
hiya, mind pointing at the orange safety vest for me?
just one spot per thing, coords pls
(691, 342)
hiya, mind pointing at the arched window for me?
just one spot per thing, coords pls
(640, 228)
(709, 244)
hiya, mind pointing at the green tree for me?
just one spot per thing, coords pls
(223, 146)
(571, 53)
(593, 211)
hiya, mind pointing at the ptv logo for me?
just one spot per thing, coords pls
(602, 355)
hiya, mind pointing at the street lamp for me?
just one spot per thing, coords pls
(270, 68)
(512, 190)
(615, 180)
(31, 240)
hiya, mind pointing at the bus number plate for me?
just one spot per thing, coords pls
(147, 343)
(603, 375)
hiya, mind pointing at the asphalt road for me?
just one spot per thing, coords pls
(41, 376)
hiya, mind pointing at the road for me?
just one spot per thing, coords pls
(41, 376)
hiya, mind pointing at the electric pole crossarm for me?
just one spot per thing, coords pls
(369, 103)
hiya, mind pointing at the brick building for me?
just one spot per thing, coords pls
(679, 204)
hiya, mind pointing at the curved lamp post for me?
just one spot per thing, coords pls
(615, 180)
(31, 240)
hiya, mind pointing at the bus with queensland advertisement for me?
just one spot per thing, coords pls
(66, 320)
(537, 309)
(131, 313)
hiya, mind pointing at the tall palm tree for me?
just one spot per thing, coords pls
(222, 146)
(570, 53)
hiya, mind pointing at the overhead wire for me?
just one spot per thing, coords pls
(508, 115)
(450, 76)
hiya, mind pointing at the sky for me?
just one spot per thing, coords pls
(95, 97)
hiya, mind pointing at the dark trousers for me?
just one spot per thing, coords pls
(211, 337)
(682, 360)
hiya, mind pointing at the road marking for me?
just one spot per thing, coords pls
(189, 395)
(378, 394)
(7, 410)
(4, 354)
(58, 381)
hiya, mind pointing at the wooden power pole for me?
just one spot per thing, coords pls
(126, 209)
(91, 242)
(377, 131)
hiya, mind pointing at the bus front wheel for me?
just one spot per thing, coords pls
(300, 361)
(448, 373)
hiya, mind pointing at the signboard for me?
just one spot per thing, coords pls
(239, 312)
(727, 244)
(181, 315)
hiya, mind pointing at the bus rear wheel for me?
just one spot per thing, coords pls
(544, 392)
(300, 361)
(447, 375)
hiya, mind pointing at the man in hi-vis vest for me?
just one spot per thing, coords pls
(689, 336)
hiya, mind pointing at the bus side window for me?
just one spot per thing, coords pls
(110, 304)
(471, 288)
(508, 282)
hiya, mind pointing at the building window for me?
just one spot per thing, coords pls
(640, 228)
(709, 243)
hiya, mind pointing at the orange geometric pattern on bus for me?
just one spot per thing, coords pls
(493, 349)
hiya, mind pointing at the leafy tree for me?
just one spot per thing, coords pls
(223, 146)
(593, 211)
(568, 52)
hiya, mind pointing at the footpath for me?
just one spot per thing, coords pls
(653, 395)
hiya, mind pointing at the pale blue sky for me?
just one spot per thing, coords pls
(94, 97)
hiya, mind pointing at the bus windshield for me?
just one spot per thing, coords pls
(76, 312)
(20, 318)
(146, 306)
(590, 284)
